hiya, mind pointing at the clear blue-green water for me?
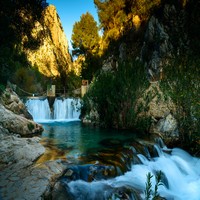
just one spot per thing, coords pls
(180, 170)
(78, 139)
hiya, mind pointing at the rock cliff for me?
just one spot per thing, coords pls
(52, 57)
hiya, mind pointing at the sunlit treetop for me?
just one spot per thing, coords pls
(85, 37)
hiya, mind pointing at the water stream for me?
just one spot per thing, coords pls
(181, 180)
(64, 109)
(109, 164)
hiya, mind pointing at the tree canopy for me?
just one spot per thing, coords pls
(17, 19)
(85, 37)
(118, 16)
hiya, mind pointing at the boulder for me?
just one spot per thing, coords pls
(18, 124)
(12, 102)
(167, 127)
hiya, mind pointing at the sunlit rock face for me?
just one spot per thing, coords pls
(52, 56)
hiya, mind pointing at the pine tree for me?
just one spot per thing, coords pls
(85, 37)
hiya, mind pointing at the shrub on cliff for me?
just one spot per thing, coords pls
(114, 96)
(181, 83)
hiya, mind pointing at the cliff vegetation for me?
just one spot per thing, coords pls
(163, 37)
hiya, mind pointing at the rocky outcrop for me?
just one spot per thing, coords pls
(168, 126)
(165, 37)
(17, 124)
(52, 57)
(12, 102)
(160, 110)
(15, 149)
(20, 176)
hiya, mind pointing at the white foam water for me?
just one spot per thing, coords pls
(39, 109)
(181, 175)
(66, 109)
(63, 110)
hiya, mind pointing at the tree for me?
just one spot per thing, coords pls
(17, 19)
(117, 16)
(86, 42)
(85, 37)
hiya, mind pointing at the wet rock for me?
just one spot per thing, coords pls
(20, 176)
(88, 172)
(26, 180)
(59, 192)
(26, 186)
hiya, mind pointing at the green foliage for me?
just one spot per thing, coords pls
(2, 88)
(30, 80)
(17, 19)
(74, 81)
(149, 192)
(148, 189)
(182, 83)
(10, 60)
(193, 8)
(116, 17)
(85, 38)
(85, 41)
(144, 8)
(30, 126)
(114, 96)
(90, 67)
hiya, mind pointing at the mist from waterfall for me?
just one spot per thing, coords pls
(63, 109)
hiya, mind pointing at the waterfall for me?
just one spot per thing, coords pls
(66, 109)
(63, 109)
(180, 179)
(39, 109)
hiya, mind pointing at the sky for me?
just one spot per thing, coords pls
(70, 12)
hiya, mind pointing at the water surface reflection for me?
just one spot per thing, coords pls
(76, 140)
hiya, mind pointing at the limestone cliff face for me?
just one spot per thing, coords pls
(52, 57)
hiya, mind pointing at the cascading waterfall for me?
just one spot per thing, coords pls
(66, 109)
(63, 109)
(39, 109)
(180, 179)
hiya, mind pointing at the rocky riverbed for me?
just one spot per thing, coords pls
(21, 177)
